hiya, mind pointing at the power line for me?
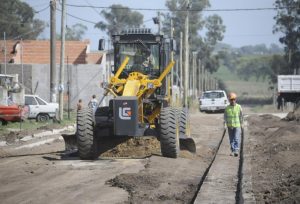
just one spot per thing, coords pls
(39, 5)
(84, 20)
(93, 7)
(42, 9)
(191, 10)
(24, 34)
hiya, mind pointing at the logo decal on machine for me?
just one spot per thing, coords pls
(125, 113)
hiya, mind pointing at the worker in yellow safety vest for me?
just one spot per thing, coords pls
(233, 119)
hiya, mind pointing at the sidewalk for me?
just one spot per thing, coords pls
(221, 181)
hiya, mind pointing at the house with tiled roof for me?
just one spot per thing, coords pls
(30, 59)
(38, 52)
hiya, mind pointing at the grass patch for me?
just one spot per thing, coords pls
(31, 125)
(248, 92)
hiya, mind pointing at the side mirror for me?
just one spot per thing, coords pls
(101, 44)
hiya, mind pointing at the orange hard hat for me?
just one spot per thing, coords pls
(232, 95)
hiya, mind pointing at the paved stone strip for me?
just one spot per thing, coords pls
(221, 182)
(247, 191)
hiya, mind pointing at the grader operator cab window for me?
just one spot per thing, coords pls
(143, 58)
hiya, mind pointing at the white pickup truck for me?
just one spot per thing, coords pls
(39, 109)
(213, 101)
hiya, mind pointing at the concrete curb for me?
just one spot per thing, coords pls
(247, 190)
(42, 134)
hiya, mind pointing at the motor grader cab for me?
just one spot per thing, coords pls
(141, 103)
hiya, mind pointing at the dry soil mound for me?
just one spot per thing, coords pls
(275, 159)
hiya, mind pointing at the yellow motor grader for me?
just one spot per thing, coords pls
(141, 99)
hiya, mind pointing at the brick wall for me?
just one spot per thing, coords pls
(38, 52)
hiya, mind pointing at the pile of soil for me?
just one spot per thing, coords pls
(146, 183)
(133, 148)
(275, 159)
(14, 136)
(294, 115)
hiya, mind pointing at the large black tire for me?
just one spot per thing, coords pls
(169, 132)
(87, 143)
(184, 123)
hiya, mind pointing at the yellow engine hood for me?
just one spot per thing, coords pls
(131, 88)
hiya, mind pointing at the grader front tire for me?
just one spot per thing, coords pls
(169, 133)
(87, 144)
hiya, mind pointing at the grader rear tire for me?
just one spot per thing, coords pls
(87, 144)
(169, 133)
(184, 123)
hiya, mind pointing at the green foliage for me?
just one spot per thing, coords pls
(74, 33)
(17, 20)
(257, 66)
(249, 91)
(119, 18)
(213, 26)
(254, 62)
(288, 22)
(278, 65)
(32, 125)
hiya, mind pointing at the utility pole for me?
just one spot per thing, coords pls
(177, 72)
(194, 75)
(180, 63)
(199, 76)
(202, 79)
(52, 51)
(208, 79)
(62, 61)
(186, 60)
(4, 38)
(68, 86)
(159, 25)
(22, 67)
(172, 53)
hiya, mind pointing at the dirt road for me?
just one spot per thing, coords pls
(36, 171)
(42, 175)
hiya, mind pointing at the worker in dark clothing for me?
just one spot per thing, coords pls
(279, 102)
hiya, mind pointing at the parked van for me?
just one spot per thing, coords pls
(213, 101)
(39, 109)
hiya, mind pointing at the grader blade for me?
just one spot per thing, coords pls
(70, 142)
(187, 143)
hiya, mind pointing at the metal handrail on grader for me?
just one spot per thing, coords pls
(141, 104)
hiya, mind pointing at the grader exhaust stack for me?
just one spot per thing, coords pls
(142, 101)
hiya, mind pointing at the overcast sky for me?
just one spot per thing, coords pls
(242, 27)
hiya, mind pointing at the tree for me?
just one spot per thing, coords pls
(288, 22)
(119, 18)
(278, 66)
(75, 32)
(17, 20)
(213, 26)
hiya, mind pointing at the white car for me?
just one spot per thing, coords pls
(39, 109)
(213, 101)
